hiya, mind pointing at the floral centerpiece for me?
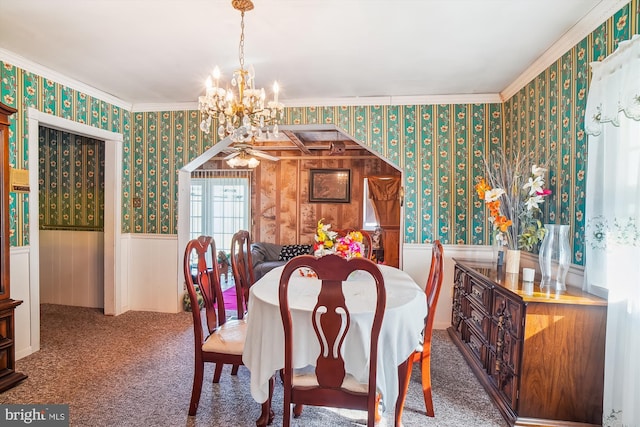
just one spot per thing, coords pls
(325, 239)
(328, 242)
(350, 246)
(513, 192)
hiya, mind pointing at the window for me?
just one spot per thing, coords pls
(369, 221)
(220, 205)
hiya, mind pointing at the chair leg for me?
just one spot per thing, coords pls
(425, 366)
(197, 387)
(404, 376)
(218, 372)
(377, 413)
(234, 370)
(286, 413)
(267, 415)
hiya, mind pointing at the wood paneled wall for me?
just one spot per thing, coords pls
(281, 210)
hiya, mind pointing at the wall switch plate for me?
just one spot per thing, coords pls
(137, 202)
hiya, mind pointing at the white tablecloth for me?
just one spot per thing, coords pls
(402, 324)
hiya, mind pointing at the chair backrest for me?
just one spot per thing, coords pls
(367, 241)
(368, 244)
(434, 283)
(331, 317)
(207, 279)
(242, 267)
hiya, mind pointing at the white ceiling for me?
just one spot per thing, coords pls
(146, 52)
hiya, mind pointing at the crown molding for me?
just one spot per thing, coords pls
(592, 20)
(174, 106)
(599, 14)
(47, 73)
(479, 98)
(471, 98)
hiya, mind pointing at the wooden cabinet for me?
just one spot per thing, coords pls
(8, 376)
(540, 356)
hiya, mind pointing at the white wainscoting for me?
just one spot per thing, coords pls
(148, 268)
(152, 271)
(150, 263)
(417, 262)
(72, 268)
(19, 270)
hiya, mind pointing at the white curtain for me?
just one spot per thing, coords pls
(612, 121)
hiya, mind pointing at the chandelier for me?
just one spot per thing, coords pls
(243, 160)
(241, 110)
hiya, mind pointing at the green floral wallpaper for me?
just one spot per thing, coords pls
(428, 142)
(439, 147)
(71, 181)
(548, 115)
(21, 89)
(163, 143)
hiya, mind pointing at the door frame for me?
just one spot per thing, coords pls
(184, 191)
(114, 287)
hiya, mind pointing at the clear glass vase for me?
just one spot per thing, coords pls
(555, 257)
(498, 252)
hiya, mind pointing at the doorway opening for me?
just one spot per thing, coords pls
(115, 285)
(299, 148)
(71, 196)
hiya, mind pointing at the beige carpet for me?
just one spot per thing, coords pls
(137, 370)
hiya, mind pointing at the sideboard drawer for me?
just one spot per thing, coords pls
(480, 292)
(478, 346)
(479, 319)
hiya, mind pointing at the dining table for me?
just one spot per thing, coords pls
(402, 326)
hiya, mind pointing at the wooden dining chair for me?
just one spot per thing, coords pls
(222, 342)
(423, 353)
(242, 268)
(368, 243)
(329, 384)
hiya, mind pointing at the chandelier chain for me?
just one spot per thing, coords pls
(241, 46)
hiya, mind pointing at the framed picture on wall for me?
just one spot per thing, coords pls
(330, 185)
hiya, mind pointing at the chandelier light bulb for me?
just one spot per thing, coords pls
(253, 162)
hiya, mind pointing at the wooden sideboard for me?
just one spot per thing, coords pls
(539, 355)
(8, 376)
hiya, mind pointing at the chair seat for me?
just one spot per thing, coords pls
(309, 379)
(229, 338)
